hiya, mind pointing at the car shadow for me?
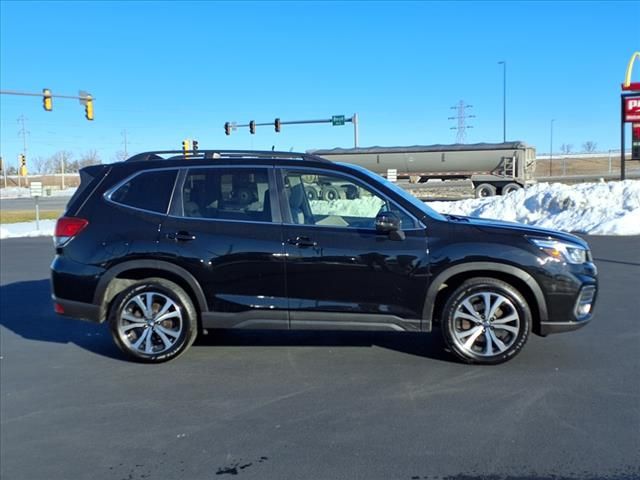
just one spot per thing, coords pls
(27, 311)
(426, 345)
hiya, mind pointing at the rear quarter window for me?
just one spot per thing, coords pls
(148, 191)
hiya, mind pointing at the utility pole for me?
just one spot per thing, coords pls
(124, 141)
(504, 100)
(23, 131)
(551, 149)
(354, 120)
(62, 167)
(461, 117)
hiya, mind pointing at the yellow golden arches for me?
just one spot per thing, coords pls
(627, 77)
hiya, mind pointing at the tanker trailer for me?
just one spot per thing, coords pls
(493, 168)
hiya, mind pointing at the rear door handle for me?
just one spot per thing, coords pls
(302, 242)
(181, 236)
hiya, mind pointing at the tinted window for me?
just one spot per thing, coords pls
(227, 194)
(336, 201)
(148, 190)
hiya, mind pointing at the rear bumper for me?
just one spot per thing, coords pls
(78, 310)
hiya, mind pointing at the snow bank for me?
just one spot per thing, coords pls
(611, 208)
(364, 207)
(27, 229)
(20, 192)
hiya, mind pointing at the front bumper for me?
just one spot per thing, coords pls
(548, 328)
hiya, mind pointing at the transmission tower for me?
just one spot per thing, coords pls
(461, 117)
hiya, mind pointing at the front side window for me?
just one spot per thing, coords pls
(227, 194)
(328, 200)
(148, 191)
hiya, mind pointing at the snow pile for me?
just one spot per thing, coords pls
(27, 229)
(363, 207)
(611, 208)
(20, 192)
(593, 208)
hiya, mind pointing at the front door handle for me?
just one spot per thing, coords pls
(302, 242)
(181, 236)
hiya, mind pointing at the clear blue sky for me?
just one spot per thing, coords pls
(164, 71)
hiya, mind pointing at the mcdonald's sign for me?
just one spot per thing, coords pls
(628, 85)
(632, 109)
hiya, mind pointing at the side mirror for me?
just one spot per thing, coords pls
(389, 222)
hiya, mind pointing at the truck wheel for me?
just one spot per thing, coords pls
(485, 190)
(486, 321)
(330, 193)
(312, 194)
(510, 187)
(153, 320)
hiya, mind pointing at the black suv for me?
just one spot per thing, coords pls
(169, 244)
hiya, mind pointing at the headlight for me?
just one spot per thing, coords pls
(560, 250)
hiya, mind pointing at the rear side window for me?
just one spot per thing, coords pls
(148, 191)
(227, 194)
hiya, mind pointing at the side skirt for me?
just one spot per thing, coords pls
(281, 320)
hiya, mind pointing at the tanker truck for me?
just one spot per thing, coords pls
(493, 168)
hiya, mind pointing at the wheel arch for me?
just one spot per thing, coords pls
(120, 276)
(446, 281)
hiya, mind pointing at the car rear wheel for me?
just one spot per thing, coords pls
(486, 321)
(153, 320)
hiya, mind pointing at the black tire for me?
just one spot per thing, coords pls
(485, 190)
(161, 336)
(330, 193)
(312, 194)
(510, 187)
(467, 333)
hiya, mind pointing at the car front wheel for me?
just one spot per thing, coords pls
(486, 321)
(153, 320)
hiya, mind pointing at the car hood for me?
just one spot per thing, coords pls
(491, 225)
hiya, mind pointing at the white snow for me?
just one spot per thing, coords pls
(20, 192)
(363, 207)
(27, 229)
(611, 208)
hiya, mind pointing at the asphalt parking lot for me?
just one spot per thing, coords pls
(294, 405)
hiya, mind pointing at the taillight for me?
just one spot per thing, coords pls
(67, 228)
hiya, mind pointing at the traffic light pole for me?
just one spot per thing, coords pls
(85, 99)
(333, 121)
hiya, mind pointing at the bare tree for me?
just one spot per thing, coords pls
(39, 165)
(60, 162)
(589, 146)
(566, 148)
(120, 156)
(89, 158)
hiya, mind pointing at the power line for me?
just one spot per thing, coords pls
(461, 117)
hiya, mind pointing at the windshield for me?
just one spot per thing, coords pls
(400, 191)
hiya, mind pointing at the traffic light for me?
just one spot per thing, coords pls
(277, 125)
(47, 100)
(227, 128)
(88, 107)
(23, 165)
(186, 146)
(252, 127)
(195, 146)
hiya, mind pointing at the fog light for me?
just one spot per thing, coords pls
(585, 302)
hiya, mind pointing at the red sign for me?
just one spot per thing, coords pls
(632, 109)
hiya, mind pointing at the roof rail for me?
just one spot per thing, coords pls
(215, 154)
